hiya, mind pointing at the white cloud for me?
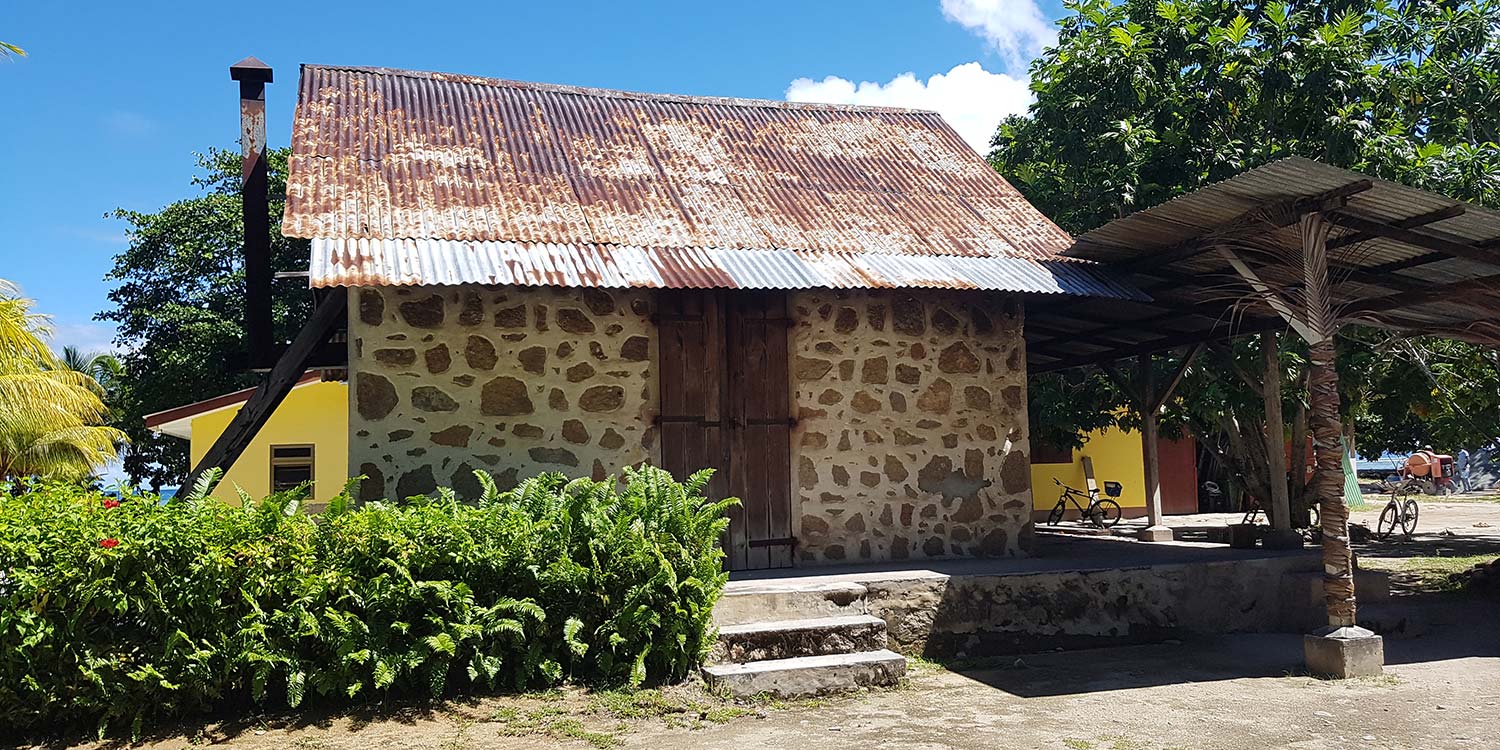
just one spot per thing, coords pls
(1017, 29)
(89, 338)
(972, 99)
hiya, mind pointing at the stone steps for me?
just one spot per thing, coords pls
(808, 675)
(794, 638)
(784, 639)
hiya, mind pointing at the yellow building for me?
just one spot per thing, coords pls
(306, 438)
(1117, 457)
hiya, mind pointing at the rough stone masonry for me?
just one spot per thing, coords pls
(910, 439)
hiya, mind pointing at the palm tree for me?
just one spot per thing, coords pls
(50, 414)
(103, 367)
(11, 50)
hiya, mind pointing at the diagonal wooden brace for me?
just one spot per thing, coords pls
(270, 393)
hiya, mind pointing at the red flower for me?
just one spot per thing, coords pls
(110, 502)
(109, 543)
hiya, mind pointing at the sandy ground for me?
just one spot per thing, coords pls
(1442, 690)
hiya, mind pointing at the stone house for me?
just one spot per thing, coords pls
(824, 304)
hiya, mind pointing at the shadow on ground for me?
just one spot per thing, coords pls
(1452, 626)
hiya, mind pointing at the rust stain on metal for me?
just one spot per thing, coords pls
(404, 177)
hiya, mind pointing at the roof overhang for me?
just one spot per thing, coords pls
(412, 262)
(1400, 258)
(178, 421)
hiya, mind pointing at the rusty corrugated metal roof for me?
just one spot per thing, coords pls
(404, 177)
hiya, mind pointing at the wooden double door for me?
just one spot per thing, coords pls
(726, 405)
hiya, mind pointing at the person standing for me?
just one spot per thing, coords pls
(1461, 462)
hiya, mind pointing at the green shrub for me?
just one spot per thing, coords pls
(114, 615)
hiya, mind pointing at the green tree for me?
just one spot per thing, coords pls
(50, 414)
(179, 306)
(1143, 101)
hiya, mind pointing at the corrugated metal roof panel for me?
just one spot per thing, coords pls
(412, 164)
(365, 262)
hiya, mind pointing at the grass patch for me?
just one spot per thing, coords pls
(1426, 574)
(602, 719)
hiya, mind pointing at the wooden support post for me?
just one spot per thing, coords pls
(279, 382)
(1282, 535)
(1150, 453)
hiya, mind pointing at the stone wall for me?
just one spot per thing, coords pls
(514, 380)
(911, 436)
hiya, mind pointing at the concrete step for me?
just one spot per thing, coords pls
(808, 675)
(785, 639)
(745, 602)
(1393, 620)
(1302, 597)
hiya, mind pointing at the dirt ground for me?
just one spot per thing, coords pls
(1441, 690)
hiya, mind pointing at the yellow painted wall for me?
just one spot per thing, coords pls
(1117, 458)
(316, 414)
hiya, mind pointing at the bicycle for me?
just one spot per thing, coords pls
(1401, 510)
(1102, 512)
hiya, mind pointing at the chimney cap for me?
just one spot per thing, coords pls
(250, 69)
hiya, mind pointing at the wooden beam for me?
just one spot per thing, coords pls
(1270, 296)
(1250, 381)
(1290, 209)
(1281, 507)
(1438, 293)
(1420, 220)
(1124, 384)
(1058, 334)
(1150, 442)
(1159, 400)
(261, 404)
(1437, 243)
(1253, 325)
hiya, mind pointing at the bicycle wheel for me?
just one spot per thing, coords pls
(1056, 516)
(1104, 513)
(1409, 517)
(1388, 521)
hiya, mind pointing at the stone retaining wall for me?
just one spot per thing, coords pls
(957, 616)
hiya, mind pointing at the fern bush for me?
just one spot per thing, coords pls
(118, 613)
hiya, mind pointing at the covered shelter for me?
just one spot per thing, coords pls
(1296, 245)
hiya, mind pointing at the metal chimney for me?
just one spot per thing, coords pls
(253, 75)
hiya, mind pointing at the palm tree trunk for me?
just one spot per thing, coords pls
(1327, 429)
(1328, 486)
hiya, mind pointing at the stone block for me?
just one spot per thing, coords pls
(1341, 653)
(808, 675)
(784, 639)
(1156, 534)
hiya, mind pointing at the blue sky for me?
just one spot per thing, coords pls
(115, 98)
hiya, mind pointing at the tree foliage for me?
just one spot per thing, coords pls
(1142, 101)
(179, 306)
(51, 415)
